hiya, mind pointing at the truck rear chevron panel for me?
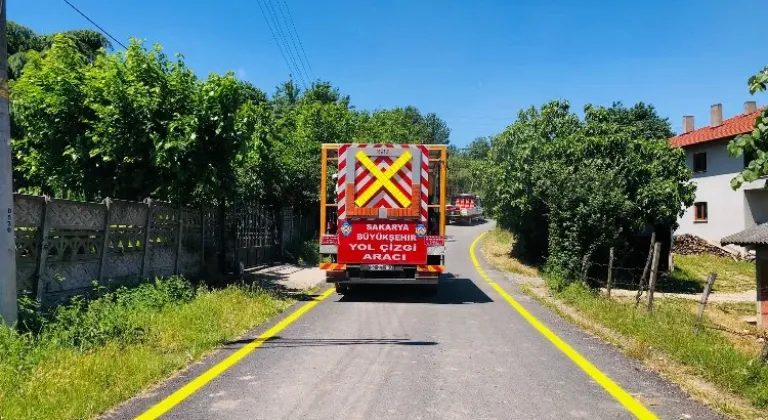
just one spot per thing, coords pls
(388, 179)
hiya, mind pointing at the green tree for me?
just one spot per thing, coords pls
(642, 120)
(22, 40)
(569, 188)
(48, 104)
(509, 184)
(479, 148)
(404, 126)
(436, 130)
(142, 124)
(466, 167)
(224, 138)
(754, 144)
(136, 123)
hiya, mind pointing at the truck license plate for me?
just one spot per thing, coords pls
(378, 267)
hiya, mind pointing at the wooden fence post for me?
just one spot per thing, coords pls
(105, 240)
(179, 240)
(610, 272)
(764, 352)
(282, 229)
(223, 236)
(704, 297)
(147, 228)
(671, 254)
(42, 250)
(647, 267)
(584, 266)
(654, 274)
(202, 237)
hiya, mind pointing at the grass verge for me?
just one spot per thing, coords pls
(497, 249)
(670, 329)
(732, 276)
(87, 357)
(734, 381)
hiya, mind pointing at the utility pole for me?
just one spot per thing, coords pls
(8, 309)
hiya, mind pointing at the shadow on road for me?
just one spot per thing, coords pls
(277, 341)
(452, 291)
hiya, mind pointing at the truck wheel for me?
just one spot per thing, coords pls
(341, 288)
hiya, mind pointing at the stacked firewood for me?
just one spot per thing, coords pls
(688, 244)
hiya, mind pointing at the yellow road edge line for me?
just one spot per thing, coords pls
(622, 396)
(182, 393)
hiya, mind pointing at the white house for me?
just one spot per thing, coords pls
(718, 210)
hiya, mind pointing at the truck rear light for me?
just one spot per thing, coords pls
(437, 269)
(333, 266)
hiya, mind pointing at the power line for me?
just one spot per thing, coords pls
(95, 24)
(274, 37)
(276, 20)
(293, 25)
(293, 41)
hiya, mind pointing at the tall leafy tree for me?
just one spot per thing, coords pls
(48, 103)
(568, 188)
(754, 144)
(89, 124)
(22, 40)
(436, 130)
(479, 148)
(641, 120)
(142, 123)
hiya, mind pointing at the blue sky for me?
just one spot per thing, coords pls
(474, 63)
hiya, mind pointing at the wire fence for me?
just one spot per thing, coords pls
(647, 280)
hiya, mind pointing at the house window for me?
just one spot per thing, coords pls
(700, 162)
(700, 212)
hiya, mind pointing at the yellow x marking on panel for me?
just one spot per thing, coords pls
(383, 179)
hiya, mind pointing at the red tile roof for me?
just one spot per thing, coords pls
(740, 124)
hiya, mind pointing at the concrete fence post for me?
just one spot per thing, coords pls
(105, 240)
(147, 229)
(202, 237)
(42, 249)
(609, 284)
(179, 240)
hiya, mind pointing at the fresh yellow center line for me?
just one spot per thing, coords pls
(180, 395)
(623, 397)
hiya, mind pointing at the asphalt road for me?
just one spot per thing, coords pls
(394, 353)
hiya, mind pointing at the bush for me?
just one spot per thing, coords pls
(305, 252)
(115, 316)
(569, 189)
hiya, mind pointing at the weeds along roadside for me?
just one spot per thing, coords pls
(83, 358)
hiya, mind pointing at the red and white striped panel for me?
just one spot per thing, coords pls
(363, 179)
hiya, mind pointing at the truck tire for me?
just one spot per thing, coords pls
(341, 288)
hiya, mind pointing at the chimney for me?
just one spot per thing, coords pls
(750, 107)
(687, 124)
(716, 115)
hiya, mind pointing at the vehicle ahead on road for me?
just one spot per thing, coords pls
(384, 223)
(465, 209)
